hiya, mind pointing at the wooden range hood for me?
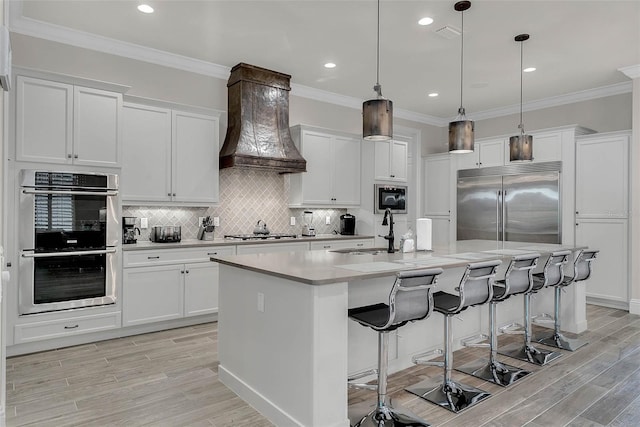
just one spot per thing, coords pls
(258, 132)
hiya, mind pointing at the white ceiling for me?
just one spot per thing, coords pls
(575, 45)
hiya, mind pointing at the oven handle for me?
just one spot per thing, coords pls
(54, 254)
(71, 192)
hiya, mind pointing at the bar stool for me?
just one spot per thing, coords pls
(517, 280)
(552, 274)
(476, 288)
(410, 299)
(581, 271)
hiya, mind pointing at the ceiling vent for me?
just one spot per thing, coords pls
(448, 32)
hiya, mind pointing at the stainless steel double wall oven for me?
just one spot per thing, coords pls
(68, 235)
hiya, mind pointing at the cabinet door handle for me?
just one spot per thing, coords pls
(326, 247)
(174, 194)
(68, 156)
(393, 176)
(72, 327)
(577, 212)
(75, 156)
(181, 271)
(153, 257)
(212, 253)
(187, 271)
(169, 194)
(360, 244)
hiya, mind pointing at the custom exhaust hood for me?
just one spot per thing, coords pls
(258, 132)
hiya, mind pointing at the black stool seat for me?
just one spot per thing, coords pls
(446, 303)
(374, 316)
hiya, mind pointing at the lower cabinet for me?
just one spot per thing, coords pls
(172, 288)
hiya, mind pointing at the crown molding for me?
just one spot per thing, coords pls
(34, 28)
(632, 71)
(554, 101)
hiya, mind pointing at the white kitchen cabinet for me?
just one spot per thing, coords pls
(67, 124)
(272, 247)
(333, 169)
(166, 284)
(391, 160)
(602, 176)
(152, 294)
(485, 154)
(72, 325)
(547, 147)
(170, 156)
(146, 164)
(341, 244)
(440, 230)
(438, 184)
(609, 282)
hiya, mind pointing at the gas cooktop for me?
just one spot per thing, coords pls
(260, 236)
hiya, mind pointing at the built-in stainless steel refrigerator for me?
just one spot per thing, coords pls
(519, 202)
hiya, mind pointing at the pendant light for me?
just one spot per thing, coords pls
(377, 114)
(521, 146)
(461, 129)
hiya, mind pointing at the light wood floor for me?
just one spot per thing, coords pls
(170, 379)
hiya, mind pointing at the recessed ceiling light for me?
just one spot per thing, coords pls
(329, 65)
(425, 21)
(433, 94)
(145, 8)
(529, 70)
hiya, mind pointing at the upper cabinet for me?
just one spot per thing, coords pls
(67, 124)
(602, 176)
(169, 156)
(485, 154)
(391, 159)
(333, 169)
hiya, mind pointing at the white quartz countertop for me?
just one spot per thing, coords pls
(324, 267)
(193, 243)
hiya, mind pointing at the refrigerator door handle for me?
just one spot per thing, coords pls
(504, 214)
(498, 226)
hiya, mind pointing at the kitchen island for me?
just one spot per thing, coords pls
(286, 345)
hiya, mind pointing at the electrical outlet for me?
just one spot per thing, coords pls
(260, 302)
(144, 223)
(201, 220)
(293, 221)
(327, 220)
(216, 221)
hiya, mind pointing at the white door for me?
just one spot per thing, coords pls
(317, 149)
(437, 185)
(195, 158)
(491, 153)
(399, 160)
(201, 288)
(346, 176)
(146, 163)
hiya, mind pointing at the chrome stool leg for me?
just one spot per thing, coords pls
(382, 413)
(556, 339)
(449, 394)
(528, 352)
(493, 370)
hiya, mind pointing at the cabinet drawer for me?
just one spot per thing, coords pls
(66, 327)
(341, 244)
(273, 247)
(174, 256)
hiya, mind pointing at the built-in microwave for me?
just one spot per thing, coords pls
(392, 197)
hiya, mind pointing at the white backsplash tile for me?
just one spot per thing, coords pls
(246, 196)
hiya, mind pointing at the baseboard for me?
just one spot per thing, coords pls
(634, 306)
(260, 403)
(605, 302)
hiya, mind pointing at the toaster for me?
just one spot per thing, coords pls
(165, 233)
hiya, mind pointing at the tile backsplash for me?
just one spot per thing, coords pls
(246, 196)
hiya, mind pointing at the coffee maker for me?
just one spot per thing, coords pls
(129, 230)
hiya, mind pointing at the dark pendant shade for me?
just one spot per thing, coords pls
(461, 136)
(521, 148)
(377, 120)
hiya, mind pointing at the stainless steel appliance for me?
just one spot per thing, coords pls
(347, 224)
(516, 202)
(272, 236)
(165, 234)
(392, 197)
(68, 236)
(129, 230)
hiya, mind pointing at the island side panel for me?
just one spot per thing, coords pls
(289, 361)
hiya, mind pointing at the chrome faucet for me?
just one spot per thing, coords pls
(389, 237)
